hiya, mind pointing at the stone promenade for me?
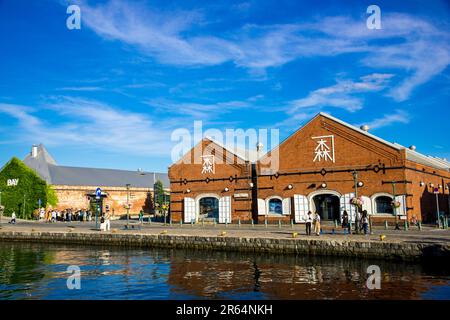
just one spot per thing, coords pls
(413, 244)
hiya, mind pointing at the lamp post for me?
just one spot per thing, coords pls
(436, 192)
(395, 206)
(355, 181)
(128, 204)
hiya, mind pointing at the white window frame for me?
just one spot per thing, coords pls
(374, 204)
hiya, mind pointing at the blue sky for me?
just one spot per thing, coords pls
(111, 94)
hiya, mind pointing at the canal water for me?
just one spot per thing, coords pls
(33, 271)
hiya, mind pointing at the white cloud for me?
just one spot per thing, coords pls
(411, 44)
(198, 111)
(80, 89)
(398, 116)
(341, 94)
(92, 124)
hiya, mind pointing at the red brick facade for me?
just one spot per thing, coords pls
(304, 179)
(76, 197)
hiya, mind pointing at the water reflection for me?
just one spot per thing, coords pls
(30, 271)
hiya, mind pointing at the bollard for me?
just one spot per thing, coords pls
(385, 224)
(406, 225)
(239, 222)
(226, 223)
(253, 223)
(292, 224)
(192, 222)
(170, 221)
(419, 225)
(214, 222)
(181, 222)
(203, 222)
(335, 223)
(279, 224)
(265, 222)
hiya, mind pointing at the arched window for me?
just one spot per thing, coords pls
(383, 204)
(275, 206)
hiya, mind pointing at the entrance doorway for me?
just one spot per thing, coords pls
(328, 206)
(209, 208)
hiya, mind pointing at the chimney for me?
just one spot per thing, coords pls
(34, 150)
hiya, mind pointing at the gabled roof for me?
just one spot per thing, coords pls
(411, 155)
(47, 168)
(77, 176)
(40, 163)
(245, 155)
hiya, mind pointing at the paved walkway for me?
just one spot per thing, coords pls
(426, 235)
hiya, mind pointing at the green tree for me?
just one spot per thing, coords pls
(52, 198)
(159, 194)
(24, 190)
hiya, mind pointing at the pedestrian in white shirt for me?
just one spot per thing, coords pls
(309, 220)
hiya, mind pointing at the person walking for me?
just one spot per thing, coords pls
(309, 220)
(317, 224)
(13, 218)
(107, 221)
(365, 222)
(141, 216)
(345, 222)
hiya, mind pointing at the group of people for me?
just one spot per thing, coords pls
(66, 215)
(363, 219)
(310, 220)
(314, 219)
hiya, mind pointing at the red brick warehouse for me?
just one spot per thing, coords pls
(321, 167)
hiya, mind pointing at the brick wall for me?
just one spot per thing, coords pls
(75, 197)
(376, 163)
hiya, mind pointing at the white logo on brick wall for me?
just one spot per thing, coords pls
(12, 182)
(324, 149)
(208, 164)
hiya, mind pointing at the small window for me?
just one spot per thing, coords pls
(275, 206)
(383, 204)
